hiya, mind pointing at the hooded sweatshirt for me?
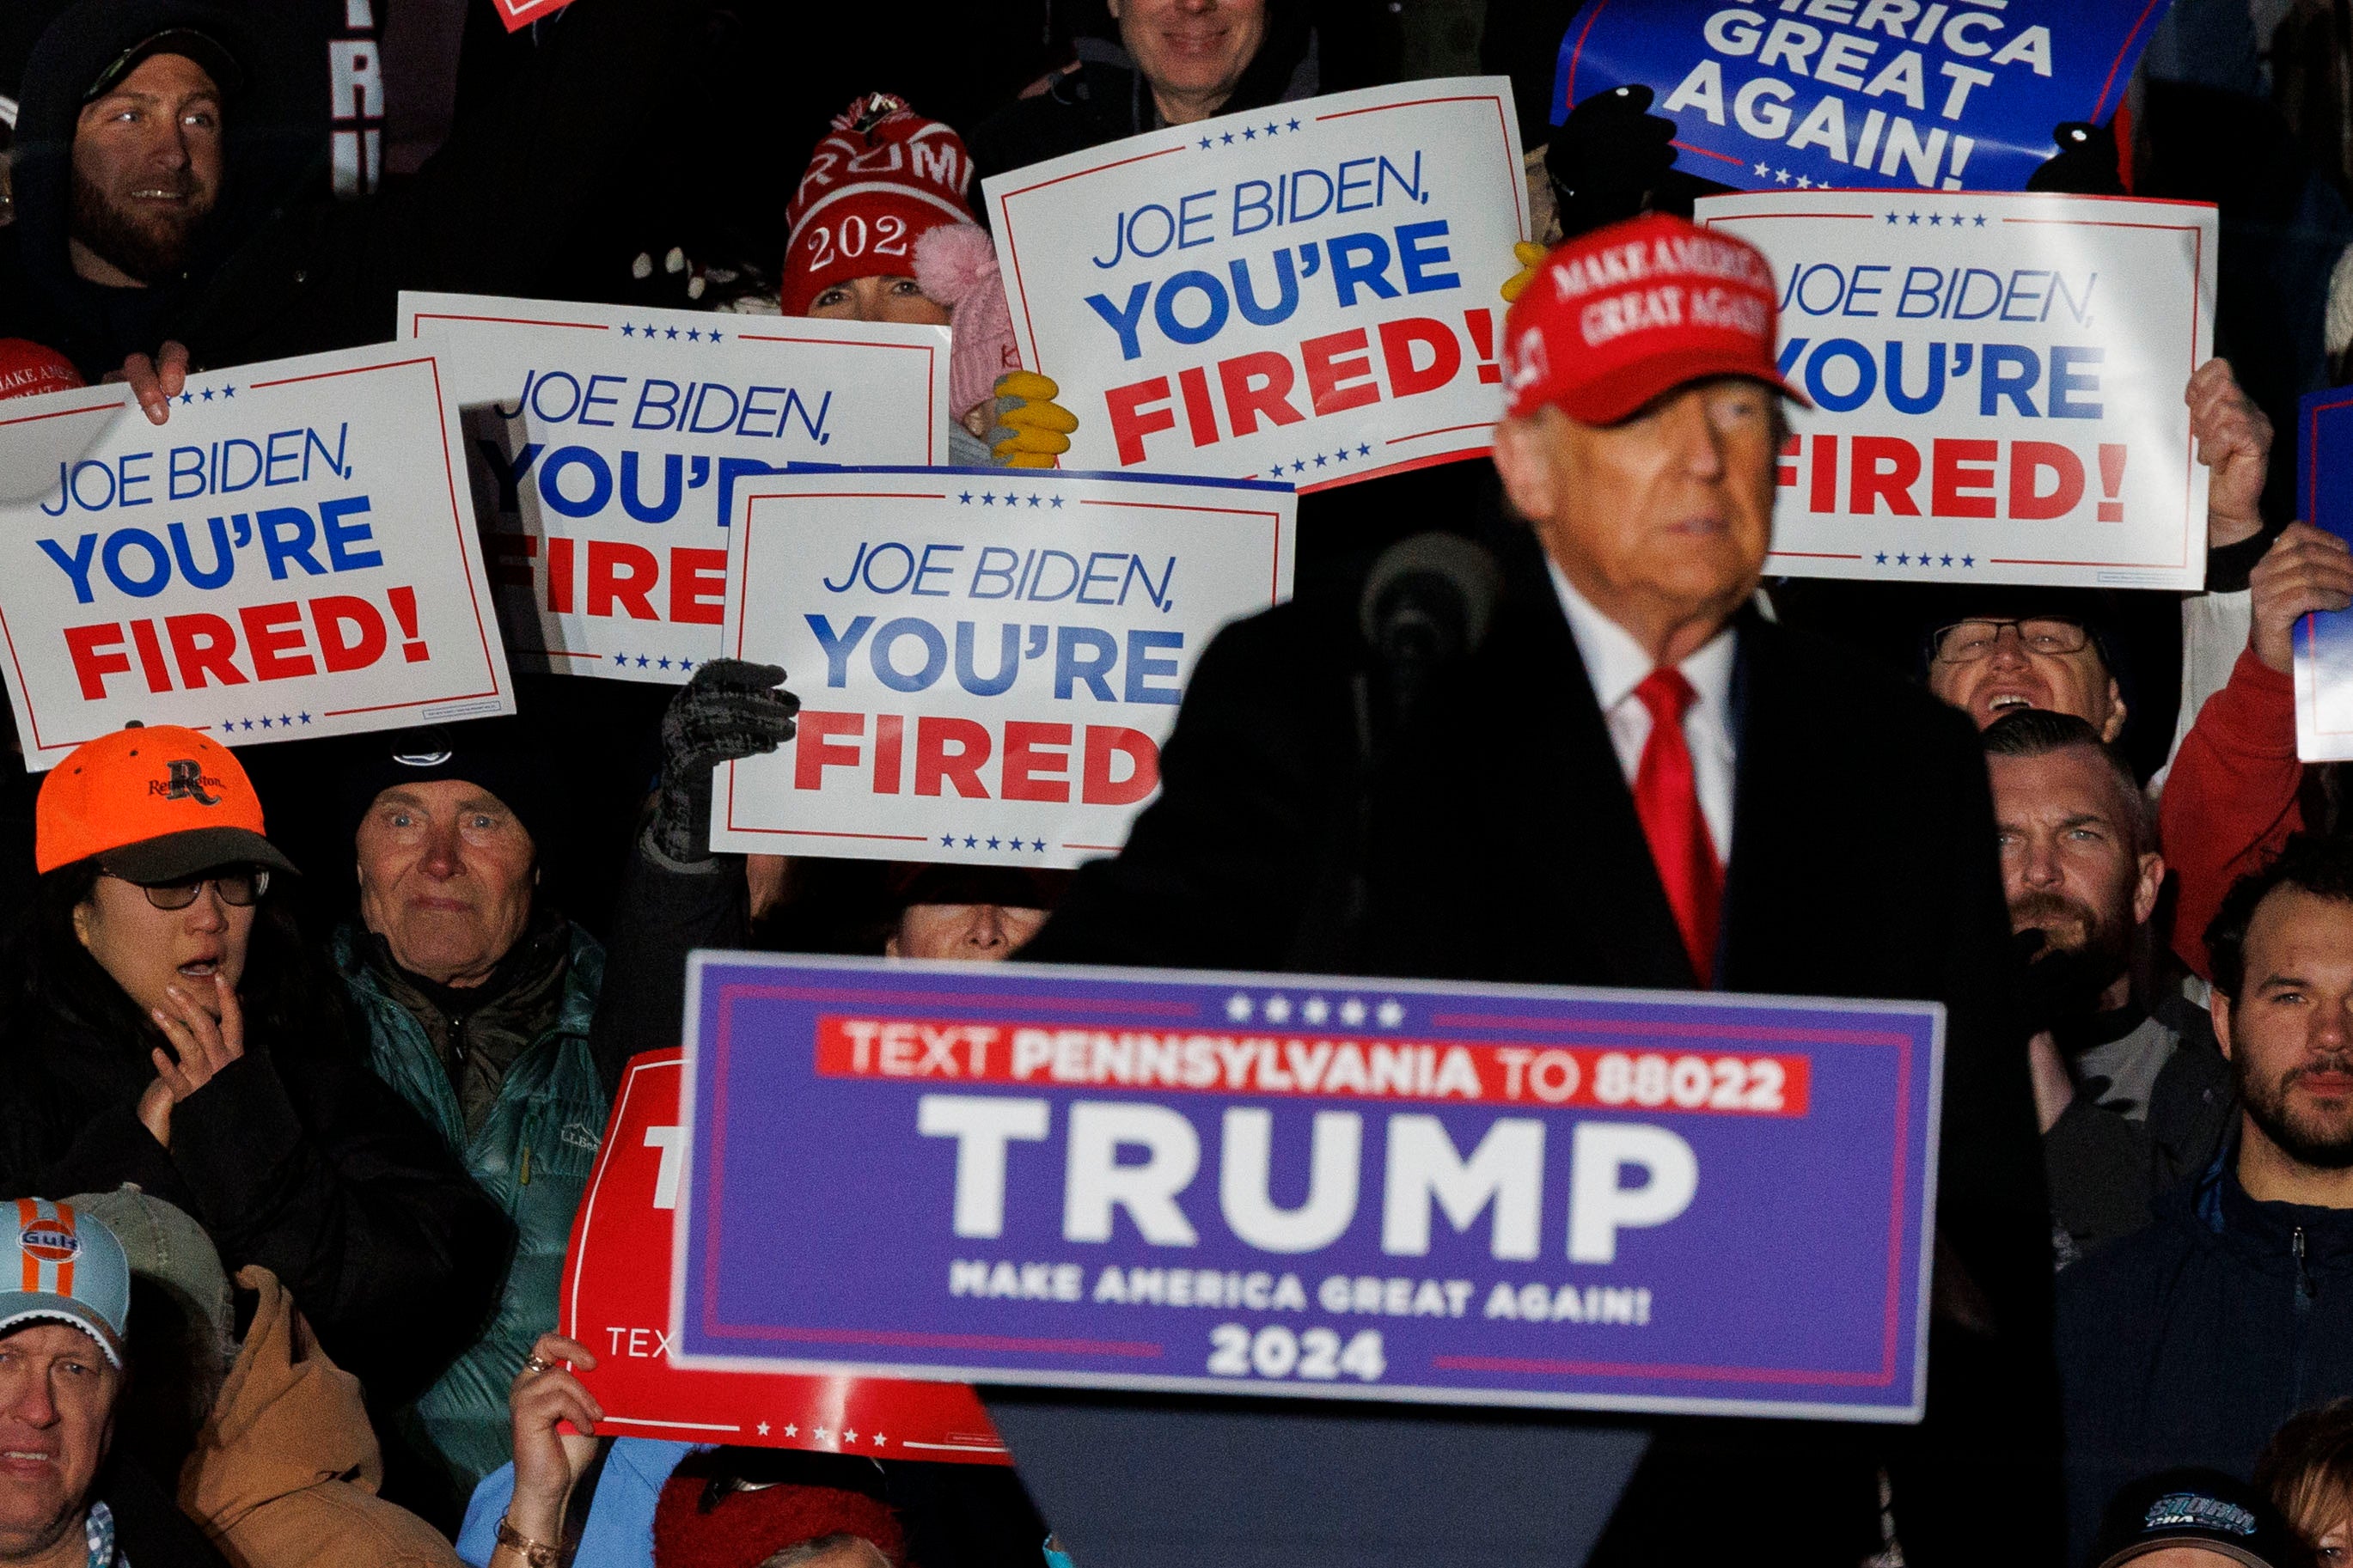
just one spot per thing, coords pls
(285, 1472)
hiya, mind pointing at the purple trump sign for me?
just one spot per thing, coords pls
(1254, 1184)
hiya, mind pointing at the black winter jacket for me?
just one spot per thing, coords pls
(2191, 1343)
(297, 1158)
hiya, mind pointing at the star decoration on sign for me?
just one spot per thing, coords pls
(849, 1436)
(1270, 129)
(879, 1440)
(1882, 558)
(1780, 176)
(791, 1430)
(764, 1428)
(821, 1434)
(1980, 223)
(1205, 143)
(1390, 1014)
(231, 391)
(1804, 184)
(1894, 218)
(1227, 140)
(1294, 125)
(630, 331)
(1316, 1010)
(1058, 502)
(1762, 171)
(1249, 134)
(1935, 218)
(1352, 1012)
(188, 398)
(208, 394)
(988, 499)
(1033, 500)
(673, 332)
(1969, 559)
(970, 843)
(1238, 1007)
(1278, 1009)
(1911, 217)
(1944, 561)
(1904, 561)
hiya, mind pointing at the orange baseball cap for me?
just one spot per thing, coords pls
(155, 804)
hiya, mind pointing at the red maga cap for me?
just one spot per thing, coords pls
(28, 369)
(1615, 318)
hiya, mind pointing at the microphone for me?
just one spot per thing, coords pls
(1427, 603)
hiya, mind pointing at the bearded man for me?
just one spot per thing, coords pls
(2187, 1343)
(2131, 1093)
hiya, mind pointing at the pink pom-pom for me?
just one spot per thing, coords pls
(953, 261)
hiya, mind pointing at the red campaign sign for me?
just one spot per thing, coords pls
(616, 1301)
(519, 14)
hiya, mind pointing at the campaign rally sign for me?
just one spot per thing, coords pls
(519, 14)
(1020, 722)
(2324, 652)
(616, 1301)
(292, 555)
(608, 447)
(1934, 95)
(1997, 383)
(1337, 1188)
(1308, 293)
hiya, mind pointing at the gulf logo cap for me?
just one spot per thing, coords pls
(155, 804)
(1614, 318)
(64, 1267)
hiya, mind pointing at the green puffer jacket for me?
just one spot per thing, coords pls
(531, 1154)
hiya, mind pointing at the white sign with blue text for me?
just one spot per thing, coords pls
(291, 555)
(608, 447)
(1307, 293)
(1018, 721)
(1997, 383)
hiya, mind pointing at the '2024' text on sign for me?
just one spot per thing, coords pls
(1333, 1187)
(291, 555)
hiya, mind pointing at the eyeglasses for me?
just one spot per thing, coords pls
(240, 888)
(1965, 642)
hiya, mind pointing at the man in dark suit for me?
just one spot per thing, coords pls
(1636, 780)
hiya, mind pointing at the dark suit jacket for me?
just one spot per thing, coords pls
(1502, 844)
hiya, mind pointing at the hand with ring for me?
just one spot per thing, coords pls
(544, 1398)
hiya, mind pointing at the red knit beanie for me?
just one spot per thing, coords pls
(749, 1526)
(882, 178)
(28, 369)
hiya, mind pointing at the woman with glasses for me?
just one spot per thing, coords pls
(171, 1028)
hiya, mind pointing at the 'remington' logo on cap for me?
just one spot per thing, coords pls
(186, 780)
(2176, 1509)
(50, 1241)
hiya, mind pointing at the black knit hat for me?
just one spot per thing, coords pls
(489, 754)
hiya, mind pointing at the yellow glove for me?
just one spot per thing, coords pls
(1530, 258)
(1037, 429)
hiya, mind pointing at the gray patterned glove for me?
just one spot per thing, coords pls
(730, 709)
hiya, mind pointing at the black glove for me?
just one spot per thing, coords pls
(2084, 165)
(731, 710)
(1607, 158)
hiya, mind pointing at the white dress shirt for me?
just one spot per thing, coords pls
(1616, 664)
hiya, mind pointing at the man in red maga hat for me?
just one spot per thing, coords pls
(1597, 763)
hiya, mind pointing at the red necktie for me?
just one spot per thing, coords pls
(1666, 797)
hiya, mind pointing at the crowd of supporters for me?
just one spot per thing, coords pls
(307, 1052)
